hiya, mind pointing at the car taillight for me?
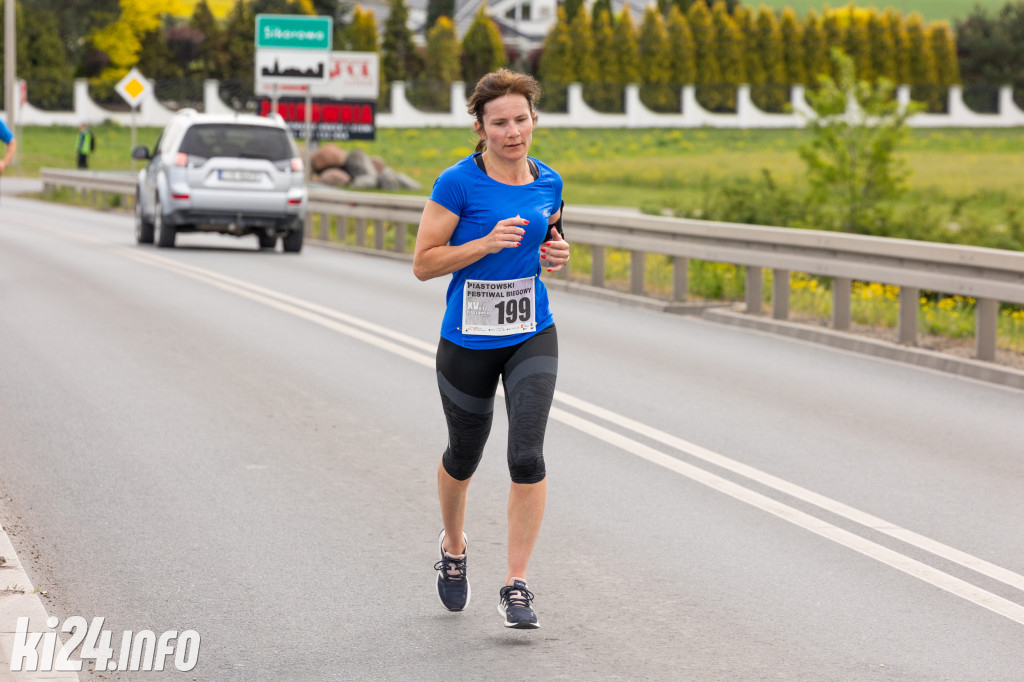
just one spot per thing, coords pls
(296, 164)
(180, 197)
(181, 160)
(294, 202)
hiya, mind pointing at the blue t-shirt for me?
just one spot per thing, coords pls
(480, 202)
(5, 133)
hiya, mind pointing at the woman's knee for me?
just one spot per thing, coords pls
(527, 467)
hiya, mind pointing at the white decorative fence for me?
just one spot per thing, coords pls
(404, 115)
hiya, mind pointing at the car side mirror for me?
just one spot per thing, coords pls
(141, 153)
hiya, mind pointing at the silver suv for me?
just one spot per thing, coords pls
(236, 175)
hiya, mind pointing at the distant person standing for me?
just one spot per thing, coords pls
(7, 137)
(86, 145)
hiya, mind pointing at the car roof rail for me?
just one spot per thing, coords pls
(187, 111)
(275, 116)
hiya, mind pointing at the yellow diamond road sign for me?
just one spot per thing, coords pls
(132, 87)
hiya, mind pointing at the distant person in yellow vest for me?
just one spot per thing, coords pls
(86, 145)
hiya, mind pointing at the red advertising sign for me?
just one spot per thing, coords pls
(331, 119)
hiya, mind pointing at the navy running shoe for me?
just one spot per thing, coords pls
(514, 606)
(452, 583)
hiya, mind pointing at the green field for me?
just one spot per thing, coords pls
(638, 168)
(971, 178)
(931, 9)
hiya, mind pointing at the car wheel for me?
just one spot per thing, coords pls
(292, 241)
(143, 228)
(164, 233)
(267, 241)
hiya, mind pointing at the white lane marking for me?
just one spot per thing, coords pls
(315, 308)
(913, 567)
(329, 318)
(838, 508)
(251, 292)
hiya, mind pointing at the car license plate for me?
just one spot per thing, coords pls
(239, 175)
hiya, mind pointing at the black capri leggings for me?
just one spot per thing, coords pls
(468, 380)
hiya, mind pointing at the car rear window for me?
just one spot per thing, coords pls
(243, 141)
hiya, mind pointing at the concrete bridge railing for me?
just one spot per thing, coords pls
(990, 276)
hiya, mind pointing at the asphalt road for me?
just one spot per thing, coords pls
(245, 444)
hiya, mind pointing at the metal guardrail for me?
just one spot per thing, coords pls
(990, 276)
(91, 186)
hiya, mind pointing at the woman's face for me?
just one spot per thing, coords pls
(508, 125)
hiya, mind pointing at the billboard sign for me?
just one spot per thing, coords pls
(289, 68)
(349, 75)
(331, 119)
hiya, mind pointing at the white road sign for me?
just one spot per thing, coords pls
(349, 75)
(290, 67)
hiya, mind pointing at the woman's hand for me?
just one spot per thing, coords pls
(554, 253)
(434, 256)
(506, 234)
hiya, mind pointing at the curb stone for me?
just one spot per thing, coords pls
(15, 604)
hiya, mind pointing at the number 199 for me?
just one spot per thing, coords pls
(512, 310)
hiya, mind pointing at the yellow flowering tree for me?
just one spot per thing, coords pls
(121, 40)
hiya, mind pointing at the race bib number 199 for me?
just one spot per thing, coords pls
(498, 308)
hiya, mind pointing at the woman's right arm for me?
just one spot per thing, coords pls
(434, 257)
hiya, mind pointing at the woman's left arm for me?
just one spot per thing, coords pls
(554, 253)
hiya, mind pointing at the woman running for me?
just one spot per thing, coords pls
(493, 222)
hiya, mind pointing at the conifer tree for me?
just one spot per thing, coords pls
(883, 49)
(815, 48)
(601, 6)
(628, 63)
(584, 68)
(682, 58)
(656, 91)
(400, 60)
(705, 38)
(835, 35)
(729, 50)
(443, 65)
(858, 41)
(924, 79)
(947, 67)
(556, 67)
(362, 32)
(240, 34)
(572, 7)
(685, 5)
(603, 94)
(439, 8)
(42, 60)
(753, 67)
(901, 41)
(213, 40)
(771, 52)
(990, 49)
(156, 60)
(793, 47)
(482, 47)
